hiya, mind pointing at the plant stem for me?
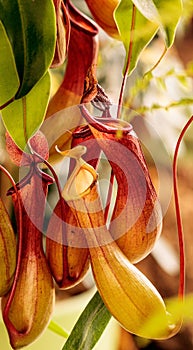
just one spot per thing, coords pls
(158, 62)
(124, 80)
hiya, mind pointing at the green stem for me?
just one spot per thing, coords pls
(120, 103)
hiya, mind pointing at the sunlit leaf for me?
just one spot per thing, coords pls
(140, 35)
(31, 28)
(159, 11)
(170, 12)
(89, 326)
(27, 113)
(57, 329)
(138, 21)
(9, 81)
(148, 9)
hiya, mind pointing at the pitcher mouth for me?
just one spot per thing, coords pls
(107, 125)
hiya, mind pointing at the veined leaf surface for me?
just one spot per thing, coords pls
(24, 116)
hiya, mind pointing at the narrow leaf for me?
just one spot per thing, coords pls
(57, 329)
(140, 35)
(27, 112)
(89, 326)
(9, 81)
(31, 28)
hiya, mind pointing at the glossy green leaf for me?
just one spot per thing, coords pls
(89, 326)
(24, 116)
(142, 33)
(9, 81)
(31, 28)
(159, 11)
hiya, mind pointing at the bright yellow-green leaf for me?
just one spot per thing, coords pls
(24, 116)
(9, 81)
(57, 329)
(170, 12)
(139, 20)
(142, 32)
(159, 11)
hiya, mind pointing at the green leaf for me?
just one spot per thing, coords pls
(31, 28)
(159, 11)
(148, 10)
(9, 81)
(170, 12)
(24, 116)
(89, 326)
(57, 329)
(148, 16)
(142, 33)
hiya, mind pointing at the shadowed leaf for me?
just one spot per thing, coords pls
(32, 39)
(9, 81)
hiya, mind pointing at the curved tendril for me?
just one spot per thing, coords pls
(178, 213)
(20, 236)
